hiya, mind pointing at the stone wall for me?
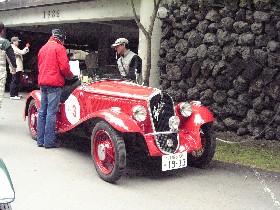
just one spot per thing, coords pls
(229, 58)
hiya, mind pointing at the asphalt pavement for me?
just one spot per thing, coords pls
(65, 178)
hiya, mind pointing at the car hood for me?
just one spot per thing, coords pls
(120, 88)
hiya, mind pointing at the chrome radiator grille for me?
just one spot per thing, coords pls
(161, 110)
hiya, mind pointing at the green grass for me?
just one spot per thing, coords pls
(258, 154)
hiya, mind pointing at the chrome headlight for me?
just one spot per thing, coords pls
(186, 109)
(174, 122)
(140, 113)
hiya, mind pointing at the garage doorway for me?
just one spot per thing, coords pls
(85, 36)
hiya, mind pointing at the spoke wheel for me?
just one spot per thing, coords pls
(33, 119)
(108, 152)
(201, 158)
(104, 152)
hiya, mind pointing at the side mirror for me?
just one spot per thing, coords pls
(7, 193)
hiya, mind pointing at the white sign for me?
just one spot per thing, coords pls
(72, 109)
(75, 68)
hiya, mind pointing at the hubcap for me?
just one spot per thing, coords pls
(104, 154)
(33, 119)
(101, 152)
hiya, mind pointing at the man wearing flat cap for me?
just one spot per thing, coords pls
(129, 63)
(5, 50)
(14, 88)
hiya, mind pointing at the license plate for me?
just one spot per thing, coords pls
(174, 161)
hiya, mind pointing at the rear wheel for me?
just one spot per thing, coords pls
(201, 158)
(108, 152)
(33, 118)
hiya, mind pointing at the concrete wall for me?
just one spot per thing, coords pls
(99, 10)
(146, 10)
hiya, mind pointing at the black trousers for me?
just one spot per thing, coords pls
(14, 88)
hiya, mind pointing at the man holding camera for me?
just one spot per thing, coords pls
(14, 88)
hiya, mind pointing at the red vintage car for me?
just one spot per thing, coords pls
(121, 117)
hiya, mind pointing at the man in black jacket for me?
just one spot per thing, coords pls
(5, 49)
(129, 63)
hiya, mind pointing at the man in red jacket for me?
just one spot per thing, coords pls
(53, 68)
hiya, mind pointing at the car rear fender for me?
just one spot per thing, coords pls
(118, 120)
(36, 95)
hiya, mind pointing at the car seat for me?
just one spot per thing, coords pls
(70, 85)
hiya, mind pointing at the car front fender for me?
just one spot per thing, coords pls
(190, 127)
(36, 95)
(120, 121)
(200, 115)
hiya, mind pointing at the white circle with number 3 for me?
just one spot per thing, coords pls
(72, 109)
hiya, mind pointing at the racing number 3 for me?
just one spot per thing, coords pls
(72, 109)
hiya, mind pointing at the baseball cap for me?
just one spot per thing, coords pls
(59, 34)
(120, 41)
(14, 39)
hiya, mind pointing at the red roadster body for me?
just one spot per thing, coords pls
(120, 116)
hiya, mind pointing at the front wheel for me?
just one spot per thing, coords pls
(203, 157)
(33, 118)
(108, 152)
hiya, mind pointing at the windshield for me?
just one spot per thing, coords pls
(7, 194)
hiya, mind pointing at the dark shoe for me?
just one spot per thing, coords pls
(54, 146)
(40, 145)
(50, 147)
